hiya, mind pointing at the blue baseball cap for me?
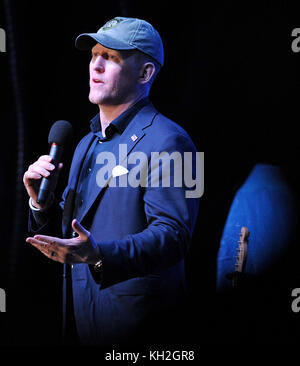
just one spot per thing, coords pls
(125, 34)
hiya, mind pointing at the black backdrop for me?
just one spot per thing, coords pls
(230, 79)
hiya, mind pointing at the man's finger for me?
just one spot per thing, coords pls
(46, 249)
(49, 240)
(40, 170)
(42, 163)
(38, 244)
(46, 158)
(41, 246)
(80, 230)
(32, 175)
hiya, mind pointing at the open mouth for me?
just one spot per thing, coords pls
(97, 81)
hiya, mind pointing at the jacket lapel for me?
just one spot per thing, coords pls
(131, 137)
(74, 174)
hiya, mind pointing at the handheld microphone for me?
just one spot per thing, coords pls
(60, 133)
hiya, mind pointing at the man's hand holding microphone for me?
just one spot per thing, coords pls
(40, 181)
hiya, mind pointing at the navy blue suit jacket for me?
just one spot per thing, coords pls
(143, 233)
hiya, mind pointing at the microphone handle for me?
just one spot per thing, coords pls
(47, 183)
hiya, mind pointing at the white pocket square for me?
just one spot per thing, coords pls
(119, 170)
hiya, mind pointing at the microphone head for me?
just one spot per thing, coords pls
(60, 132)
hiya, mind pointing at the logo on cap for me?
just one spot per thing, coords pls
(111, 23)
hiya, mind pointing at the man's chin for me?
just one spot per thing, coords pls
(93, 99)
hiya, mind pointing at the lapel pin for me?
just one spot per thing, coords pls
(133, 137)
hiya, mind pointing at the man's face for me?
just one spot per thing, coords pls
(113, 77)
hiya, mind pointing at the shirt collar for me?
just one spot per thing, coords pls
(121, 122)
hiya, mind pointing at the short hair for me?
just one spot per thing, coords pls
(141, 59)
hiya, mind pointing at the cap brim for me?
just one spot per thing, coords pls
(86, 41)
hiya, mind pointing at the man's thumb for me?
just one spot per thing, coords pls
(80, 230)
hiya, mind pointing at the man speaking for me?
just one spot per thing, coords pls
(122, 246)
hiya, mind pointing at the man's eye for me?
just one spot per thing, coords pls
(109, 56)
(114, 58)
(106, 56)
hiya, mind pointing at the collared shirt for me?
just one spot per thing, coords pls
(113, 132)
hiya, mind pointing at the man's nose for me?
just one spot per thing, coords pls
(99, 64)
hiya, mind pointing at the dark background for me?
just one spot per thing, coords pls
(230, 79)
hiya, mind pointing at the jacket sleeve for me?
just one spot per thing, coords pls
(170, 217)
(46, 222)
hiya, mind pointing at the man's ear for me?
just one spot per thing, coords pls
(147, 72)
